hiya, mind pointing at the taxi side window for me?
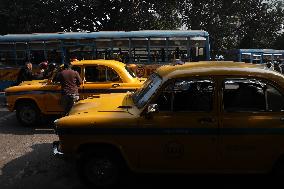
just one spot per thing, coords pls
(187, 95)
(251, 95)
(100, 74)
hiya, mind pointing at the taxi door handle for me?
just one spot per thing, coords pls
(115, 85)
(207, 120)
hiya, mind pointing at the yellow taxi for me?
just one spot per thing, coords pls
(33, 99)
(207, 117)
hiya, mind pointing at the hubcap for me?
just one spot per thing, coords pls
(101, 172)
(28, 115)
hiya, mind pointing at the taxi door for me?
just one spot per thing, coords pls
(52, 93)
(101, 79)
(182, 135)
(252, 125)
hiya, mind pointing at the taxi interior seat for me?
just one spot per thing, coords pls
(193, 99)
(274, 100)
(245, 98)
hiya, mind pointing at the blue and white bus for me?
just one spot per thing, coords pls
(138, 47)
(256, 56)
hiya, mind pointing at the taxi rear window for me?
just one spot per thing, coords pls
(251, 95)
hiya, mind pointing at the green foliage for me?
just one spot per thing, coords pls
(230, 23)
(235, 23)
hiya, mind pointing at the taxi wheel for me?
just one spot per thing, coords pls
(28, 114)
(100, 170)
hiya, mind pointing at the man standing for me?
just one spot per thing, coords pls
(70, 81)
(25, 73)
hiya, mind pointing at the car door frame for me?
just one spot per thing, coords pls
(102, 87)
(235, 138)
(183, 133)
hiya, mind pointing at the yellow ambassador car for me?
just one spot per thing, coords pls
(32, 99)
(209, 117)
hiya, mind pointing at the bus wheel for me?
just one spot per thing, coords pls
(99, 170)
(27, 114)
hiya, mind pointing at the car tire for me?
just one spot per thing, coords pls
(28, 114)
(100, 169)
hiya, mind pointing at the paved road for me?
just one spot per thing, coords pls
(25, 157)
(26, 162)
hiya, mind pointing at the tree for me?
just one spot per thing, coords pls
(22, 16)
(98, 15)
(230, 23)
(234, 23)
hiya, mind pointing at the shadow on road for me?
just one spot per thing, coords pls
(10, 125)
(39, 169)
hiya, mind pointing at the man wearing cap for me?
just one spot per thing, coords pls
(70, 81)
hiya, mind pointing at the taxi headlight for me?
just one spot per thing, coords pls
(55, 121)
(55, 126)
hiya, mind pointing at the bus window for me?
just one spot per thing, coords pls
(256, 59)
(103, 49)
(246, 57)
(36, 52)
(120, 49)
(197, 48)
(53, 51)
(177, 49)
(157, 50)
(267, 58)
(21, 57)
(7, 57)
(139, 50)
(278, 58)
(7, 46)
(21, 46)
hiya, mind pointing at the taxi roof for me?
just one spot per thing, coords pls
(99, 62)
(216, 68)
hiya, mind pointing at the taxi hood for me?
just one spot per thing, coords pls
(34, 82)
(114, 102)
(27, 86)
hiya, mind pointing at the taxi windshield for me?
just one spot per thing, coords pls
(143, 94)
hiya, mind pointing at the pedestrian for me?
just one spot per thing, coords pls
(51, 68)
(70, 81)
(42, 69)
(25, 73)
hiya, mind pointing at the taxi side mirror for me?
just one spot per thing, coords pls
(152, 108)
